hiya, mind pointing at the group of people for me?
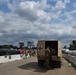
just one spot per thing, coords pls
(26, 52)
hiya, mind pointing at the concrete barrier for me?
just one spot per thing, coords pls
(70, 58)
(75, 61)
(8, 58)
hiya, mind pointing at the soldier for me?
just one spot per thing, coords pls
(48, 57)
(26, 53)
(30, 53)
(50, 60)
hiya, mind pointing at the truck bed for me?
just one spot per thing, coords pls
(52, 45)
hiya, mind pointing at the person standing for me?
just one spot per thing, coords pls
(30, 53)
(48, 57)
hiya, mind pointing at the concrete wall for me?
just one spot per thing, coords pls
(8, 58)
(70, 58)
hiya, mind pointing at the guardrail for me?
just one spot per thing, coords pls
(70, 58)
(8, 58)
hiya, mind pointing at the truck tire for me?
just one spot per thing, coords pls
(41, 63)
(38, 62)
(58, 64)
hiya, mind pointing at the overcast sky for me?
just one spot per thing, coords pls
(25, 20)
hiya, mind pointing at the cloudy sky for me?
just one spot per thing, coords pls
(25, 20)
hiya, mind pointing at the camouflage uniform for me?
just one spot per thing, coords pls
(48, 57)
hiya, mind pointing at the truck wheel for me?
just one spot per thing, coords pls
(59, 64)
(38, 63)
(41, 63)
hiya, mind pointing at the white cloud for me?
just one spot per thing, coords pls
(74, 5)
(42, 5)
(69, 16)
(30, 11)
(57, 9)
(28, 21)
(67, 1)
(27, 10)
(59, 6)
(1, 19)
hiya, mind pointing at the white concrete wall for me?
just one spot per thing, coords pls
(9, 58)
(70, 58)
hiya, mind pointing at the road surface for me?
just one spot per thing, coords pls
(29, 67)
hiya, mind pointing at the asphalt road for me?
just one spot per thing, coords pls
(29, 67)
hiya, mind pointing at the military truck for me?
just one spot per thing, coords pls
(56, 50)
